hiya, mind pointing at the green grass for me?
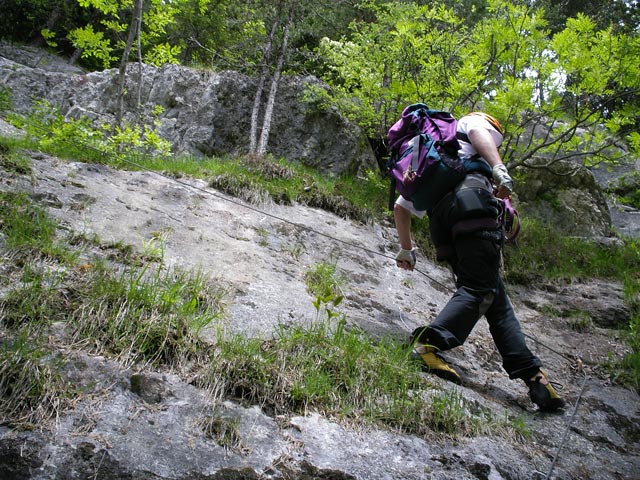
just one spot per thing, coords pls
(344, 374)
(6, 101)
(543, 252)
(148, 315)
(26, 227)
(12, 160)
(627, 371)
(32, 391)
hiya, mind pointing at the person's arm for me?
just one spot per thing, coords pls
(406, 258)
(486, 147)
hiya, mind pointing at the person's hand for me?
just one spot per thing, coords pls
(406, 259)
(503, 180)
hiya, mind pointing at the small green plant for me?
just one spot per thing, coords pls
(12, 160)
(263, 235)
(130, 141)
(630, 373)
(325, 284)
(224, 430)
(36, 301)
(519, 426)
(153, 249)
(447, 411)
(580, 321)
(78, 138)
(295, 250)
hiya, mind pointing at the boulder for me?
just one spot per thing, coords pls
(565, 195)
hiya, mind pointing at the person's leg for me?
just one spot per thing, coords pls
(476, 266)
(517, 359)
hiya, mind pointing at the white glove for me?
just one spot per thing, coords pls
(408, 256)
(502, 178)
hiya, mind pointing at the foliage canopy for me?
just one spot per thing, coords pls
(562, 76)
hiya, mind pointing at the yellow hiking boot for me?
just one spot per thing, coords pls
(543, 394)
(433, 363)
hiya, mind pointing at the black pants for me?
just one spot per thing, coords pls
(480, 291)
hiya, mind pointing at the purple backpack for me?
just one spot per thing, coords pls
(417, 142)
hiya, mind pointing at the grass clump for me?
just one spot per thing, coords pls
(627, 371)
(343, 374)
(542, 252)
(28, 229)
(12, 160)
(32, 391)
(146, 315)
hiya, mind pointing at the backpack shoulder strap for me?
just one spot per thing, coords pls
(414, 143)
(463, 136)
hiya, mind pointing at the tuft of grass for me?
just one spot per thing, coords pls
(343, 374)
(627, 371)
(32, 391)
(146, 315)
(580, 321)
(12, 160)
(6, 102)
(224, 430)
(37, 300)
(26, 227)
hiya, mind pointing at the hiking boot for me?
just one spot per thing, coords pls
(433, 363)
(543, 394)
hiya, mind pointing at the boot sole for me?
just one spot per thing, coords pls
(445, 375)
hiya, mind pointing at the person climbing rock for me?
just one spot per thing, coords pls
(465, 230)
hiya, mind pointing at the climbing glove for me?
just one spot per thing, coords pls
(408, 256)
(502, 178)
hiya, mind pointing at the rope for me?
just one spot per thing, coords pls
(344, 242)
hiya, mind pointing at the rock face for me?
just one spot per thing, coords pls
(204, 113)
(568, 196)
(147, 424)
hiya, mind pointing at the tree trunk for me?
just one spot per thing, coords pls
(139, 52)
(268, 114)
(133, 27)
(75, 56)
(266, 59)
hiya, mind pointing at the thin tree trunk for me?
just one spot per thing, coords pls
(139, 53)
(133, 27)
(266, 59)
(268, 113)
(75, 56)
